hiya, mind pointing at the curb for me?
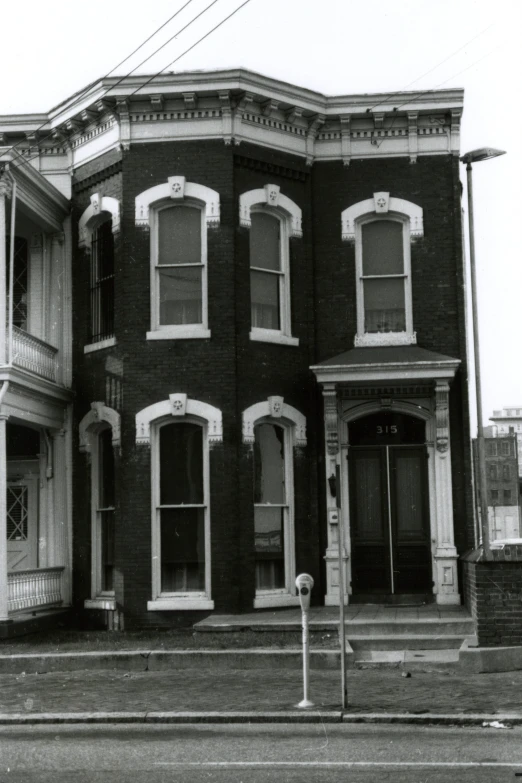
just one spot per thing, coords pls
(283, 716)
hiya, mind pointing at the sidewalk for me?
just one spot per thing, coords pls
(189, 696)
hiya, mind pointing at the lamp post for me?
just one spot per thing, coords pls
(475, 156)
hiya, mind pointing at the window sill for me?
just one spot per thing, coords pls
(275, 599)
(176, 604)
(385, 338)
(190, 332)
(272, 336)
(107, 603)
(100, 345)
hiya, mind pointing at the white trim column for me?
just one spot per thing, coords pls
(445, 558)
(3, 516)
(4, 193)
(331, 439)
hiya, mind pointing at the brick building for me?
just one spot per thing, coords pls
(259, 327)
(502, 483)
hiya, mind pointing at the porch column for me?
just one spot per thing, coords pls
(5, 189)
(3, 517)
(331, 438)
(59, 522)
(445, 554)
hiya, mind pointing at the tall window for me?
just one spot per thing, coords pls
(179, 267)
(105, 511)
(383, 277)
(102, 282)
(271, 507)
(267, 278)
(182, 508)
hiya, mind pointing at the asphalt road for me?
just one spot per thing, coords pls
(276, 752)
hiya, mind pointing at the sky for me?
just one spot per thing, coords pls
(50, 51)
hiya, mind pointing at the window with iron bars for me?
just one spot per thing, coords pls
(102, 283)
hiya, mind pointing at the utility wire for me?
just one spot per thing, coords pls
(86, 89)
(435, 67)
(190, 48)
(149, 38)
(28, 160)
(165, 44)
(424, 92)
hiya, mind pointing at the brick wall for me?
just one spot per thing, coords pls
(232, 372)
(493, 594)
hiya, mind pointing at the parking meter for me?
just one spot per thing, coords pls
(304, 584)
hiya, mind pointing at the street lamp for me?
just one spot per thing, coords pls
(475, 156)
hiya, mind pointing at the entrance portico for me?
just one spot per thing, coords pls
(387, 436)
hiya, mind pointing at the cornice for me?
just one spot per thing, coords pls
(38, 195)
(238, 105)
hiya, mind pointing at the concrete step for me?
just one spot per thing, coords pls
(406, 659)
(406, 642)
(466, 627)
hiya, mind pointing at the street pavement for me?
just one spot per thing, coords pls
(369, 691)
(319, 753)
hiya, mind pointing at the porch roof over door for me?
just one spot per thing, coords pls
(387, 363)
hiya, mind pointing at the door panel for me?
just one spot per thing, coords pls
(368, 514)
(410, 528)
(389, 519)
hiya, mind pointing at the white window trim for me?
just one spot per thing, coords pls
(101, 208)
(181, 407)
(99, 418)
(275, 411)
(271, 201)
(383, 207)
(147, 207)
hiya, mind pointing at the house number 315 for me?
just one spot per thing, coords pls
(387, 430)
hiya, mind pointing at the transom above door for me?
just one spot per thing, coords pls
(389, 517)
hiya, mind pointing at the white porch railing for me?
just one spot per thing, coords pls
(34, 589)
(33, 354)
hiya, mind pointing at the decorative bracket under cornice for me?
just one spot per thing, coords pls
(313, 129)
(346, 139)
(413, 136)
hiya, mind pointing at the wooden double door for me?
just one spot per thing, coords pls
(389, 506)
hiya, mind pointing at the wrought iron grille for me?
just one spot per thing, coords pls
(102, 283)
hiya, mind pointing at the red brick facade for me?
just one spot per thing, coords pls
(231, 372)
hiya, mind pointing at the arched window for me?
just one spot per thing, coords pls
(272, 219)
(179, 253)
(180, 432)
(102, 282)
(181, 508)
(274, 429)
(97, 227)
(100, 437)
(179, 214)
(383, 229)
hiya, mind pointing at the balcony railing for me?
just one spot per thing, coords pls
(34, 589)
(33, 354)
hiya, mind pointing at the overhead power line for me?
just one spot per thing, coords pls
(83, 92)
(435, 68)
(149, 79)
